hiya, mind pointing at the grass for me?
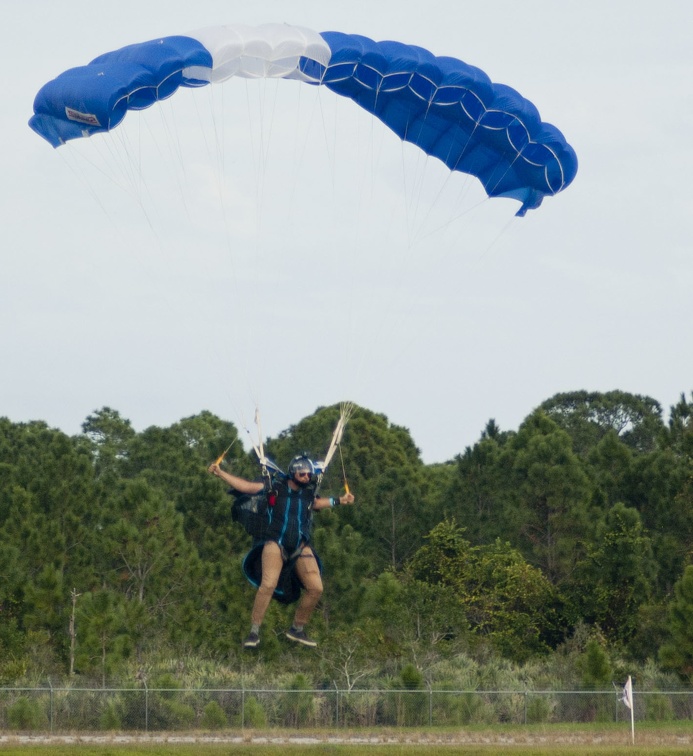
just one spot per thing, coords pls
(217, 749)
(529, 740)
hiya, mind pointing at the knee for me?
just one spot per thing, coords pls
(314, 590)
(268, 584)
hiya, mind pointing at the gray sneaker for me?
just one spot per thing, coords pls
(252, 641)
(299, 636)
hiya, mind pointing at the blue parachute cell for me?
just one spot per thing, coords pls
(449, 109)
(95, 98)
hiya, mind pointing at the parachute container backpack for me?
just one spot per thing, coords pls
(250, 512)
(449, 109)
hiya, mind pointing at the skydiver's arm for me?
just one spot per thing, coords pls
(322, 502)
(238, 484)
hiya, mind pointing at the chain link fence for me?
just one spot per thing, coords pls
(61, 710)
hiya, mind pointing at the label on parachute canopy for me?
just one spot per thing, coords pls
(89, 118)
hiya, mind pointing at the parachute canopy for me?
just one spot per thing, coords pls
(449, 109)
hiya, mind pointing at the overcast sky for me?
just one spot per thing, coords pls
(319, 260)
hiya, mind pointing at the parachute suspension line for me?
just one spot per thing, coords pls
(254, 157)
(260, 451)
(118, 166)
(219, 128)
(173, 156)
(217, 158)
(344, 475)
(413, 187)
(261, 150)
(126, 174)
(464, 190)
(120, 169)
(214, 147)
(174, 150)
(253, 444)
(266, 465)
(220, 458)
(301, 141)
(370, 145)
(77, 170)
(131, 169)
(121, 163)
(329, 121)
(215, 153)
(260, 442)
(413, 223)
(456, 217)
(345, 412)
(505, 172)
(417, 225)
(259, 133)
(331, 147)
(464, 149)
(119, 156)
(494, 241)
(421, 235)
(393, 257)
(418, 232)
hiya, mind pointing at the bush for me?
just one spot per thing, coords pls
(657, 708)
(538, 709)
(296, 705)
(253, 714)
(213, 717)
(24, 714)
(111, 718)
(180, 715)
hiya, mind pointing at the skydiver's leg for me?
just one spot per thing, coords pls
(272, 562)
(309, 574)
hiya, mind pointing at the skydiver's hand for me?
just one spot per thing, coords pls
(214, 469)
(347, 498)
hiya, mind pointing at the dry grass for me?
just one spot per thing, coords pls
(535, 740)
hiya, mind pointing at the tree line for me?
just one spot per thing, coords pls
(570, 537)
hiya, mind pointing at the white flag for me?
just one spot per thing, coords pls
(627, 696)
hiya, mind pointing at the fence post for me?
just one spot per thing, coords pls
(242, 705)
(146, 706)
(525, 707)
(336, 704)
(430, 706)
(616, 709)
(50, 706)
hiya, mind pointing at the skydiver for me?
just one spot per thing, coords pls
(285, 546)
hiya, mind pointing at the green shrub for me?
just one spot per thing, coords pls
(253, 714)
(213, 717)
(111, 718)
(657, 708)
(167, 685)
(24, 714)
(538, 709)
(296, 705)
(180, 715)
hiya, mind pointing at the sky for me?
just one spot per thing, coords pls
(317, 259)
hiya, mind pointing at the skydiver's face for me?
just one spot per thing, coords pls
(302, 478)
